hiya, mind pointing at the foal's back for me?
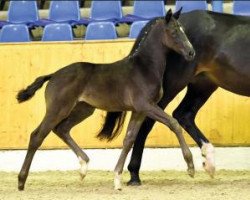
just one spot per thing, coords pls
(104, 86)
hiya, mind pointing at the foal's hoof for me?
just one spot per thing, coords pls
(209, 168)
(134, 183)
(191, 172)
(82, 176)
(118, 181)
(119, 188)
(83, 168)
(20, 187)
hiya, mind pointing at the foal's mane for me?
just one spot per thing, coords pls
(143, 36)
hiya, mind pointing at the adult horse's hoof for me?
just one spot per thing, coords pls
(134, 182)
(210, 169)
(209, 163)
(135, 179)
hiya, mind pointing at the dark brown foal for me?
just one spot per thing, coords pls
(131, 84)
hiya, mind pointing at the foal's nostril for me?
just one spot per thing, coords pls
(191, 53)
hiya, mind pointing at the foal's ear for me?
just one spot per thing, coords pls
(177, 14)
(168, 15)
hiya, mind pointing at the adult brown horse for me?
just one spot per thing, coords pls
(131, 84)
(222, 45)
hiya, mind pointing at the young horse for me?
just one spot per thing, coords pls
(134, 82)
(222, 46)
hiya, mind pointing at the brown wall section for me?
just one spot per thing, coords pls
(224, 119)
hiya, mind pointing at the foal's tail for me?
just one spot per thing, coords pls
(29, 92)
(112, 125)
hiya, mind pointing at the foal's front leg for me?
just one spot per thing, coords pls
(156, 113)
(132, 130)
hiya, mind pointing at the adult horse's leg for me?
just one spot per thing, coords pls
(156, 113)
(80, 112)
(136, 157)
(133, 128)
(197, 94)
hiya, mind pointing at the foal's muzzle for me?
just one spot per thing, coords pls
(189, 55)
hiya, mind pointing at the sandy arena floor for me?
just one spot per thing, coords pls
(157, 185)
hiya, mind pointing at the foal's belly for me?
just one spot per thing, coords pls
(106, 99)
(107, 104)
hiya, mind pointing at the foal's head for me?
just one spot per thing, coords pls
(175, 38)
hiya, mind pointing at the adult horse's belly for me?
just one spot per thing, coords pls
(230, 78)
(233, 85)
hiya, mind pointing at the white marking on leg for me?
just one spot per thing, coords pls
(83, 168)
(117, 181)
(209, 163)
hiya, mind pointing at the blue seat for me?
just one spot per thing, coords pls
(62, 11)
(191, 5)
(101, 31)
(105, 10)
(14, 33)
(149, 9)
(57, 32)
(241, 8)
(22, 12)
(136, 28)
(217, 5)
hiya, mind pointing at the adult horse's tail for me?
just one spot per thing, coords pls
(112, 125)
(29, 92)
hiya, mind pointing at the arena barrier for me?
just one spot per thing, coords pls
(224, 119)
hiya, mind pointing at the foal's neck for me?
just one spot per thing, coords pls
(151, 54)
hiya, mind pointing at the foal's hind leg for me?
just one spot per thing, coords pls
(33, 145)
(132, 130)
(54, 115)
(156, 113)
(36, 140)
(80, 112)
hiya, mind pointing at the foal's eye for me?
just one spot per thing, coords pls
(174, 32)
